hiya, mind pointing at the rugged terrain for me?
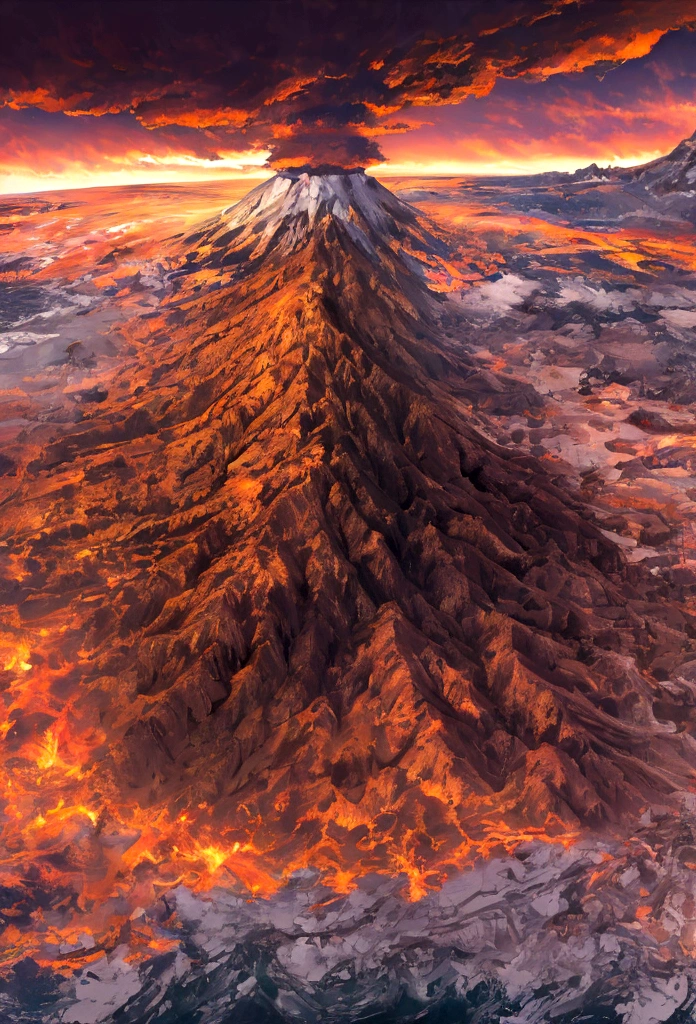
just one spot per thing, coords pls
(287, 590)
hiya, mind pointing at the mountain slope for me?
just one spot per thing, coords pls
(309, 606)
(675, 172)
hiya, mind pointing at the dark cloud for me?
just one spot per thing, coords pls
(316, 81)
(324, 151)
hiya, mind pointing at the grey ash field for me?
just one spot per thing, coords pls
(345, 501)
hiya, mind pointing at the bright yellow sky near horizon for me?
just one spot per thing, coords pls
(157, 172)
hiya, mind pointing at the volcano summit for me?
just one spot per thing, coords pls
(287, 604)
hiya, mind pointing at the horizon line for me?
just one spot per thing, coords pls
(404, 170)
(257, 180)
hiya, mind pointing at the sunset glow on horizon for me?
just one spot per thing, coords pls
(21, 181)
(26, 181)
(494, 96)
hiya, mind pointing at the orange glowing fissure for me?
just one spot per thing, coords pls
(51, 804)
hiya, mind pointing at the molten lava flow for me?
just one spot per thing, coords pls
(109, 847)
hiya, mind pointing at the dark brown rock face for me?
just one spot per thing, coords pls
(318, 608)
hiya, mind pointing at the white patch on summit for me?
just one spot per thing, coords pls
(298, 203)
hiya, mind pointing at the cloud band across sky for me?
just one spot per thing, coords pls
(99, 92)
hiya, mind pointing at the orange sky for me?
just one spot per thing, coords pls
(517, 88)
(634, 114)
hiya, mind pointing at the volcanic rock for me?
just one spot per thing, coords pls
(315, 605)
(651, 422)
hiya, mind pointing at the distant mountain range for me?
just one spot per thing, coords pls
(675, 172)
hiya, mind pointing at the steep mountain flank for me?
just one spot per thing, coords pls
(309, 606)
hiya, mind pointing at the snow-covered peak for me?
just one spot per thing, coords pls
(311, 197)
(284, 214)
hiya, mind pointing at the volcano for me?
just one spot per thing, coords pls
(287, 597)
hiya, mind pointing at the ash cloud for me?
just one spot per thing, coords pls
(315, 82)
(325, 153)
